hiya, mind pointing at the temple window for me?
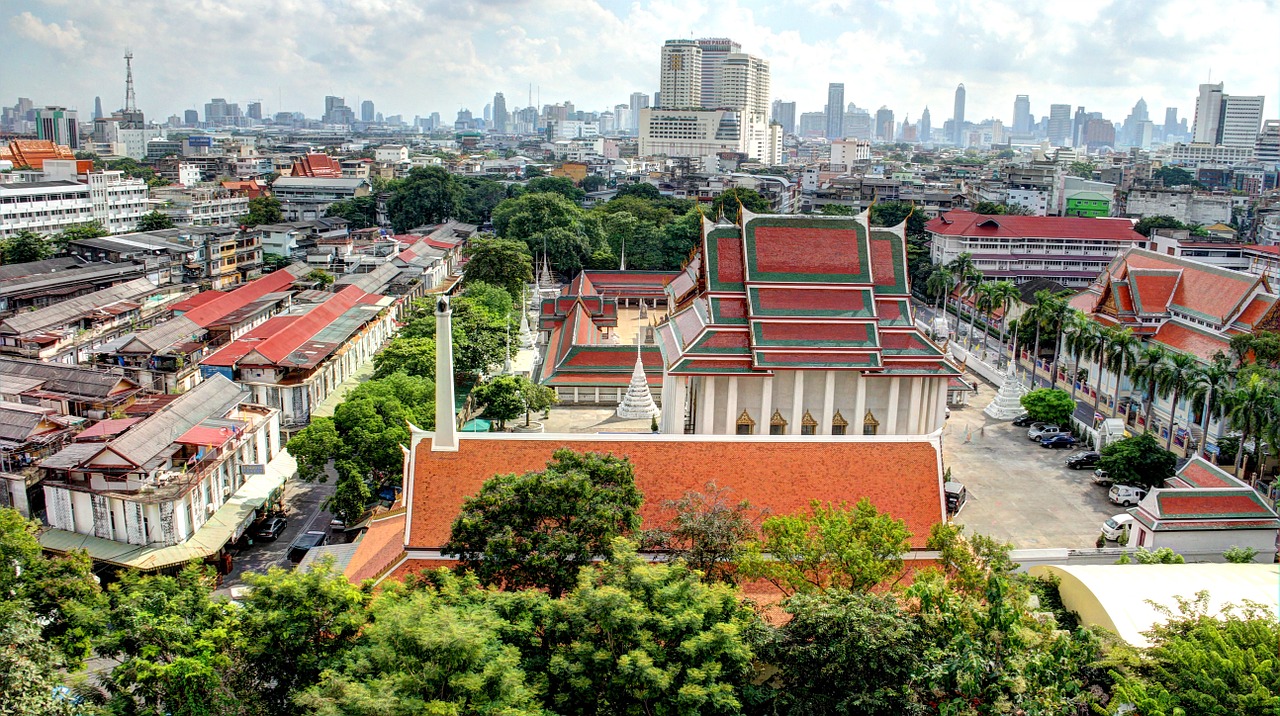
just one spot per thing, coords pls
(746, 426)
(777, 425)
(839, 426)
(808, 426)
(870, 426)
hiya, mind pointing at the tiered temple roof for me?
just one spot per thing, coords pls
(796, 292)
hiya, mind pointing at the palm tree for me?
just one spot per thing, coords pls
(1099, 352)
(984, 301)
(1004, 294)
(1041, 312)
(1177, 376)
(1059, 310)
(971, 285)
(961, 267)
(1124, 354)
(939, 284)
(1080, 338)
(1145, 374)
(1207, 388)
(1247, 407)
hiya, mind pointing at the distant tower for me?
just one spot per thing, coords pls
(926, 126)
(958, 117)
(130, 105)
(97, 108)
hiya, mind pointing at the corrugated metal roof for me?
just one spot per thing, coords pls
(212, 397)
(64, 312)
(70, 380)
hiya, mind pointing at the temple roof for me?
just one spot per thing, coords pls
(796, 292)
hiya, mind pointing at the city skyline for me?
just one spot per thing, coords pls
(1104, 56)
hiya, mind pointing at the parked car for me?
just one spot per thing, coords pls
(1100, 478)
(1023, 421)
(1059, 441)
(304, 543)
(1126, 495)
(1117, 525)
(1084, 460)
(1046, 431)
(270, 529)
(957, 495)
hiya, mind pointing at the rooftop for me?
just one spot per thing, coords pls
(969, 224)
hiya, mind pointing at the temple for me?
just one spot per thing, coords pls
(798, 325)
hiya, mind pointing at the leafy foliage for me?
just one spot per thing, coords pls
(1049, 405)
(25, 246)
(263, 209)
(707, 532)
(548, 220)
(833, 547)
(1139, 460)
(499, 262)
(728, 201)
(361, 211)
(479, 198)
(428, 195)
(556, 185)
(538, 529)
(412, 356)
(322, 277)
(501, 398)
(154, 221)
(482, 316)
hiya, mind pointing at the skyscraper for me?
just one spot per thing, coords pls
(681, 75)
(1170, 121)
(1022, 114)
(715, 50)
(254, 111)
(366, 111)
(885, 125)
(926, 126)
(1078, 125)
(958, 116)
(1208, 119)
(97, 108)
(639, 101)
(488, 113)
(784, 113)
(1059, 130)
(500, 117)
(58, 125)
(191, 118)
(835, 110)
(1241, 120)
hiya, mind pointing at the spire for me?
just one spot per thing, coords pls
(526, 335)
(638, 403)
(622, 263)
(446, 436)
(129, 103)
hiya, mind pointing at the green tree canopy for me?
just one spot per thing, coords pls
(479, 197)
(592, 182)
(557, 185)
(1140, 460)
(538, 529)
(1050, 405)
(264, 209)
(154, 221)
(1149, 224)
(25, 246)
(640, 190)
(79, 232)
(501, 399)
(727, 202)
(361, 211)
(428, 195)
(707, 531)
(547, 220)
(832, 546)
(482, 315)
(322, 277)
(413, 356)
(499, 262)
(1173, 176)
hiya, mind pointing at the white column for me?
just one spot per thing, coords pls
(913, 410)
(766, 399)
(926, 396)
(890, 423)
(731, 405)
(940, 398)
(707, 411)
(859, 407)
(445, 436)
(669, 417)
(828, 404)
(797, 402)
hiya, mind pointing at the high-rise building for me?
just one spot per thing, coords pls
(191, 117)
(254, 111)
(500, 118)
(1241, 120)
(1078, 126)
(97, 108)
(488, 113)
(681, 75)
(1170, 122)
(1022, 114)
(336, 111)
(715, 50)
(835, 110)
(784, 113)
(639, 101)
(884, 124)
(1207, 127)
(926, 126)
(958, 116)
(1059, 129)
(366, 111)
(858, 123)
(1268, 148)
(58, 125)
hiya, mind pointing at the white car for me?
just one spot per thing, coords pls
(1039, 432)
(1126, 495)
(1117, 525)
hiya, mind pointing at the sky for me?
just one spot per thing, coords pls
(413, 57)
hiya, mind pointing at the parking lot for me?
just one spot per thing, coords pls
(1019, 492)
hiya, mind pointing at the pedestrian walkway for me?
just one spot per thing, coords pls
(361, 374)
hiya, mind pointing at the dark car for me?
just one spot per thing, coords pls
(957, 495)
(1023, 421)
(304, 543)
(270, 529)
(1059, 441)
(1083, 460)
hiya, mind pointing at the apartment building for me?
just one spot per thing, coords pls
(307, 198)
(1069, 250)
(201, 205)
(1182, 203)
(44, 207)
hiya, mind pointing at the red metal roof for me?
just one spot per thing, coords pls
(286, 341)
(225, 303)
(106, 428)
(969, 224)
(206, 435)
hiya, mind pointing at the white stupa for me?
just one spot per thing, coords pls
(638, 403)
(1008, 402)
(526, 335)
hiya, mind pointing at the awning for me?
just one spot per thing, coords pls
(226, 525)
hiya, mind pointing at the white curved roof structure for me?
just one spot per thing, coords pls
(1116, 596)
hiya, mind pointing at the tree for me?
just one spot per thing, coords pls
(499, 262)
(1249, 407)
(1145, 374)
(361, 211)
(428, 195)
(501, 399)
(79, 232)
(635, 638)
(413, 356)
(25, 246)
(274, 262)
(535, 398)
(322, 277)
(154, 221)
(314, 446)
(940, 283)
(835, 546)
(1200, 664)
(892, 213)
(592, 182)
(1049, 405)
(1147, 225)
(640, 190)
(728, 201)
(990, 207)
(1173, 176)
(557, 185)
(292, 625)
(1207, 389)
(264, 209)
(548, 221)
(1082, 169)
(1240, 555)
(845, 653)
(1178, 376)
(707, 531)
(479, 197)
(481, 320)
(1138, 460)
(538, 529)
(30, 670)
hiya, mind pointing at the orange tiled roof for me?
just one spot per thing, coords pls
(33, 152)
(1186, 339)
(381, 547)
(900, 477)
(317, 165)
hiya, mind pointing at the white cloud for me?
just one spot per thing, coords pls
(52, 35)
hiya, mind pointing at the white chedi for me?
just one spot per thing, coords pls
(638, 403)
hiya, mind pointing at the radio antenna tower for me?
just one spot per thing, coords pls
(129, 102)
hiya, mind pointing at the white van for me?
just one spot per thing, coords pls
(1117, 525)
(1126, 495)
